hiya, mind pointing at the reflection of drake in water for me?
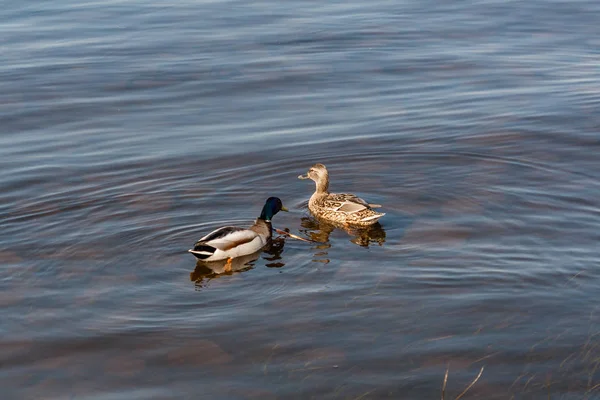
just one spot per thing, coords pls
(207, 270)
(319, 230)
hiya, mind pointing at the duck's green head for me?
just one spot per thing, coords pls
(272, 206)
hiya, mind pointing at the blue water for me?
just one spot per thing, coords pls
(129, 129)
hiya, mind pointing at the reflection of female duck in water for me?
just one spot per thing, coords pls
(207, 270)
(319, 230)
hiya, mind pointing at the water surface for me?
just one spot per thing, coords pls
(130, 129)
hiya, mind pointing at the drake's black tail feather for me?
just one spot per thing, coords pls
(202, 251)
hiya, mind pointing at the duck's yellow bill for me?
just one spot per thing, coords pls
(303, 176)
(283, 208)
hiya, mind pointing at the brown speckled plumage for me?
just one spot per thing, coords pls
(341, 208)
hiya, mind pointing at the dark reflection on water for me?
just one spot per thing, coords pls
(205, 271)
(319, 230)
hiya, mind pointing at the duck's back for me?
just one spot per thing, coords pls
(343, 208)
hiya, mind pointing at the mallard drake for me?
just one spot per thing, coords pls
(343, 208)
(229, 242)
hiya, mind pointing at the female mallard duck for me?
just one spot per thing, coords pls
(343, 208)
(229, 242)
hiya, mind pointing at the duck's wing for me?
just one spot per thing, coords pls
(348, 203)
(227, 238)
(344, 206)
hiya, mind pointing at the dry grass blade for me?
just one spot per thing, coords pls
(593, 388)
(445, 381)
(471, 385)
(294, 236)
